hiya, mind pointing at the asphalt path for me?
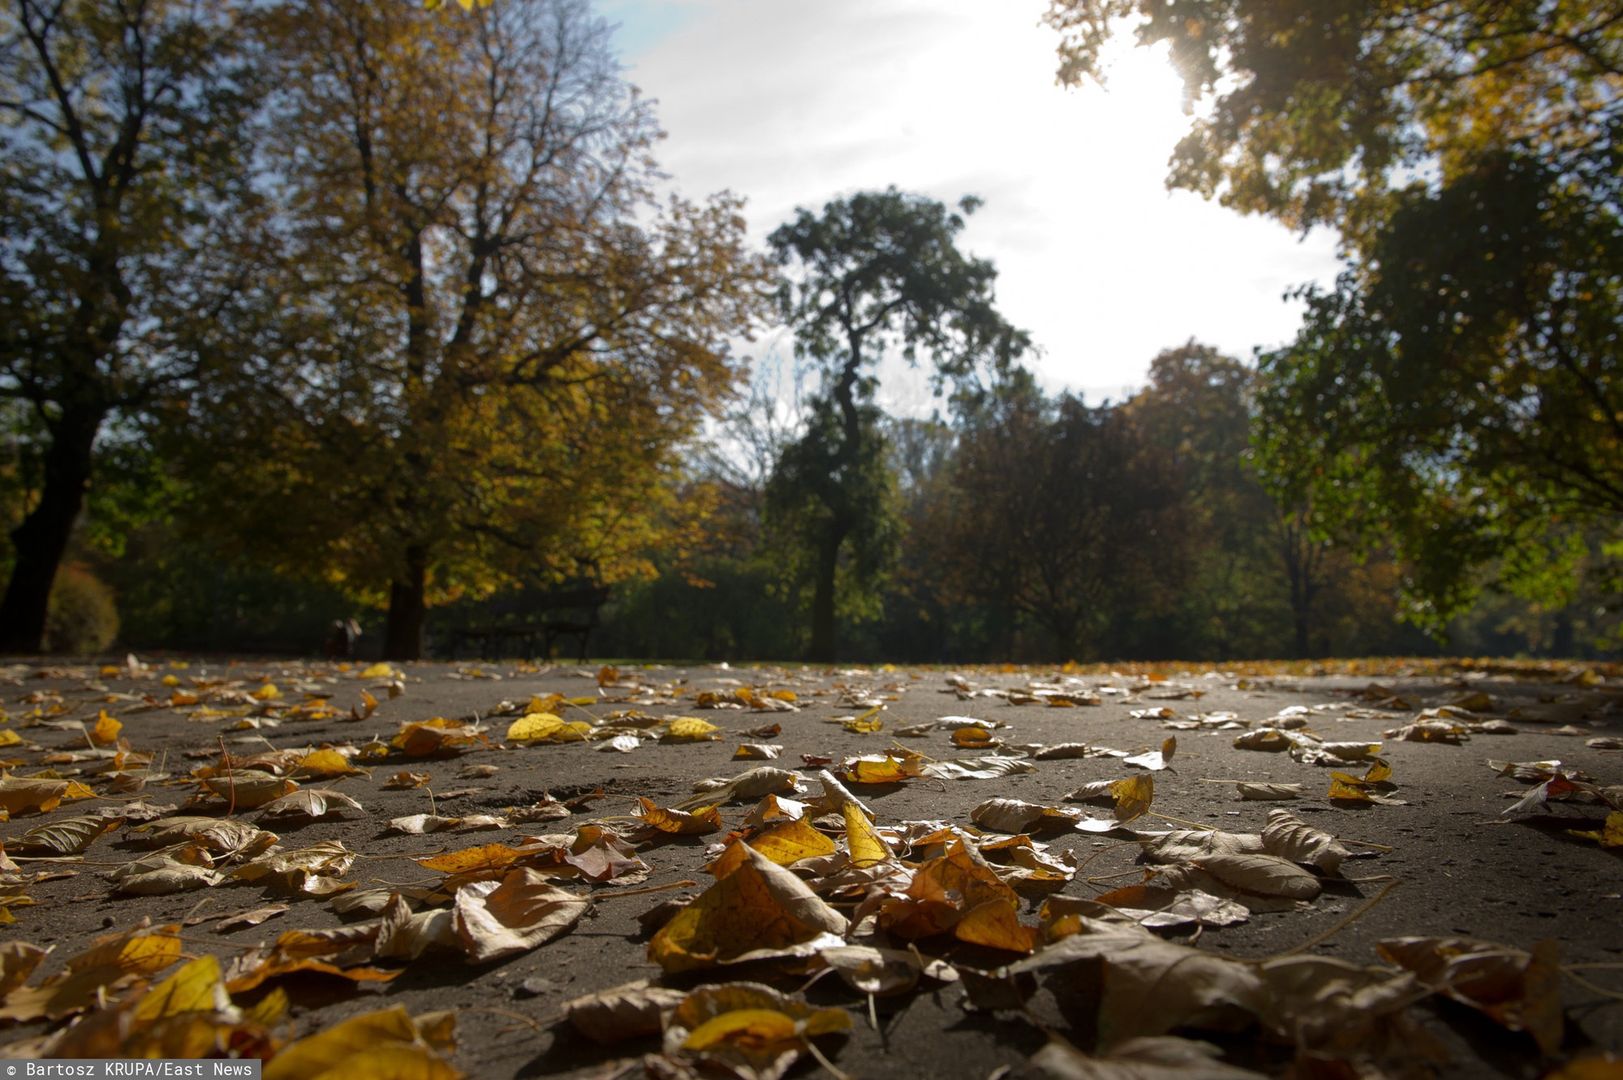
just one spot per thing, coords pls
(1434, 855)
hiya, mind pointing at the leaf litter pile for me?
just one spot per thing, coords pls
(447, 871)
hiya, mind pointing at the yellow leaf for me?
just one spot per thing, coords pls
(1133, 795)
(18, 796)
(758, 906)
(996, 925)
(867, 847)
(323, 765)
(469, 860)
(788, 842)
(706, 819)
(367, 1047)
(1345, 788)
(760, 1030)
(545, 727)
(249, 789)
(1609, 835)
(867, 723)
(105, 732)
(196, 987)
(9, 737)
(690, 729)
(378, 671)
(268, 692)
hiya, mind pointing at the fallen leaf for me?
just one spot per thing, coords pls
(1519, 990)
(690, 729)
(493, 920)
(1608, 835)
(1291, 838)
(746, 1029)
(862, 841)
(759, 906)
(371, 1046)
(1159, 1057)
(788, 842)
(310, 803)
(624, 1012)
(679, 822)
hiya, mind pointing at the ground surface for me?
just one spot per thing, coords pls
(1442, 853)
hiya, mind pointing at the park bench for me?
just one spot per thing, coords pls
(532, 629)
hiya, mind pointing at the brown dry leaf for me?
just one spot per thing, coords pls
(252, 970)
(404, 780)
(1152, 906)
(249, 789)
(309, 871)
(679, 822)
(1264, 875)
(881, 972)
(1150, 986)
(310, 803)
(418, 824)
(243, 919)
(372, 1046)
(1018, 816)
(438, 737)
(757, 752)
(1269, 740)
(222, 837)
(1249, 790)
(160, 875)
(64, 836)
(751, 784)
(29, 795)
(1154, 760)
(1159, 1057)
(986, 767)
(631, 1011)
(759, 906)
(18, 959)
(774, 808)
(1292, 838)
(1519, 990)
(944, 891)
(494, 920)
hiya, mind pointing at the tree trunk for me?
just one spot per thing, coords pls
(408, 609)
(42, 538)
(822, 613)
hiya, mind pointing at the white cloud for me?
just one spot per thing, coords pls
(792, 104)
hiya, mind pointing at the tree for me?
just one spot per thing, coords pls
(1458, 389)
(1065, 516)
(122, 164)
(481, 337)
(878, 271)
(1457, 395)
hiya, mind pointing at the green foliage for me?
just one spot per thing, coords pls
(121, 145)
(878, 272)
(479, 339)
(1456, 395)
(83, 616)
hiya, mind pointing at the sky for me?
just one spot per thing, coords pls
(791, 104)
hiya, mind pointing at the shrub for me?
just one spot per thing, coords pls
(82, 617)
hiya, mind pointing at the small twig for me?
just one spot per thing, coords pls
(1592, 987)
(1184, 821)
(1113, 877)
(827, 1065)
(1342, 924)
(645, 890)
(230, 778)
